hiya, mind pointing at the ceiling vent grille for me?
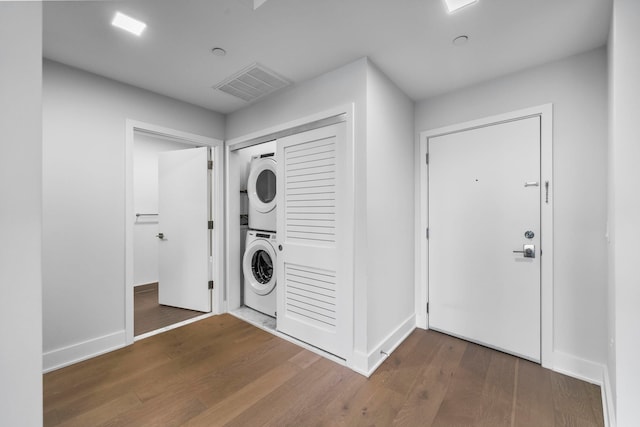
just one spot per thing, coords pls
(252, 83)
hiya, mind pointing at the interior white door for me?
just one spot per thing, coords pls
(313, 298)
(184, 239)
(484, 197)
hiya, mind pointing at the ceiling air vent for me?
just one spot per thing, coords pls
(252, 83)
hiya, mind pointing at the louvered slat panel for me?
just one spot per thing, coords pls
(319, 146)
(310, 295)
(310, 196)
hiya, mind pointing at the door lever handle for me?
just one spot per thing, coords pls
(529, 251)
(160, 236)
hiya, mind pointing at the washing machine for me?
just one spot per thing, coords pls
(261, 189)
(259, 268)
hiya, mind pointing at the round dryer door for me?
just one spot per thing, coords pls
(261, 186)
(259, 267)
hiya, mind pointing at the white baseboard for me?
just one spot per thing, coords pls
(366, 364)
(592, 372)
(608, 406)
(577, 367)
(59, 358)
(173, 326)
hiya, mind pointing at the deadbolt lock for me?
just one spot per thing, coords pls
(529, 234)
(528, 251)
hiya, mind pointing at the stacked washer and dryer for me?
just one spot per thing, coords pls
(259, 259)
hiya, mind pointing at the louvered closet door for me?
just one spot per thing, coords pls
(314, 301)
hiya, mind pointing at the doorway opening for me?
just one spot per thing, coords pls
(149, 314)
(174, 253)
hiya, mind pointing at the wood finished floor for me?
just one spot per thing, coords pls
(149, 315)
(222, 371)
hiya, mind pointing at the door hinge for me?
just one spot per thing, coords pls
(427, 308)
(210, 164)
(426, 234)
(210, 284)
(426, 158)
(210, 225)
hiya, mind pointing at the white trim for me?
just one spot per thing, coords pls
(218, 210)
(591, 372)
(366, 364)
(577, 367)
(608, 405)
(421, 247)
(233, 228)
(174, 326)
(75, 353)
(546, 218)
(344, 109)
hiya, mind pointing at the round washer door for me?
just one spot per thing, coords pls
(261, 186)
(258, 266)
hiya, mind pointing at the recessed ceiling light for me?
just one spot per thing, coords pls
(454, 5)
(218, 51)
(460, 40)
(128, 23)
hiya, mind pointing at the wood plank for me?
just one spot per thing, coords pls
(498, 393)
(311, 388)
(221, 370)
(104, 412)
(403, 367)
(462, 402)
(534, 399)
(595, 398)
(242, 371)
(571, 401)
(371, 405)
(425, 398)
(78, 403)
(240, 401)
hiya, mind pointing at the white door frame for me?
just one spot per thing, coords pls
(545, 112)
(217, 146)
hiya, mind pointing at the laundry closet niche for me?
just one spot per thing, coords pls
(264, 301)
(371, 262)
(314, 205)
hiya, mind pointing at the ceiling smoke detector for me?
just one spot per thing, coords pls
(460, 40)
(218, 51)
(252, 83)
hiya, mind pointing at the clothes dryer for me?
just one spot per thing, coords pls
(258, 266)
(261, 189)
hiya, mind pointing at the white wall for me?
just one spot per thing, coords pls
(84, 203)
(625, 150)
(577, 87)
(390, 209)
(20, 214)
(145, 200)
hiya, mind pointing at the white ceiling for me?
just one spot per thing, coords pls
(410, 40)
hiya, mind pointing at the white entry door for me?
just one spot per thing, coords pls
(184, 239)
(314, 300)
(484, 206)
